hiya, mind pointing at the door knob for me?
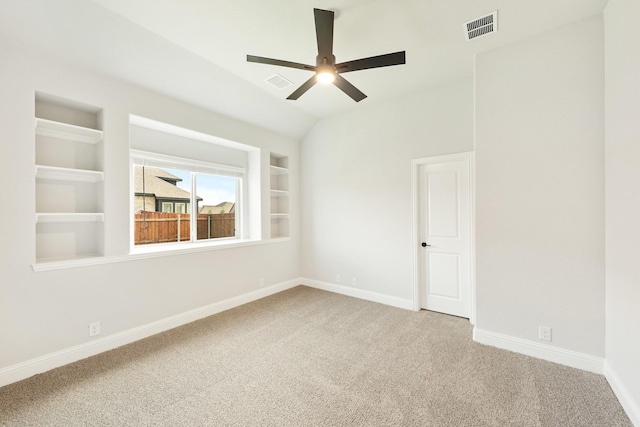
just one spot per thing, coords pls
(424, 244)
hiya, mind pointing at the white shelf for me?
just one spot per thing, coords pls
(277, 170)
(67, 174)
(74, 217)
(279, 193)
(279, 216)
(55, 263)
(67, 132)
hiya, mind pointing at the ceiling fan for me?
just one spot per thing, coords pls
(326, 70)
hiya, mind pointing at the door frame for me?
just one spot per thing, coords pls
(415, 167)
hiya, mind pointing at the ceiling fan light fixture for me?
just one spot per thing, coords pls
(325, 74)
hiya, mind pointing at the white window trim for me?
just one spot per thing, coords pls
(146, 158)
(169, 204)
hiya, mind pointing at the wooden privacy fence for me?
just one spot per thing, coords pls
(162, 227)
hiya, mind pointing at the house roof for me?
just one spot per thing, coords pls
(153, 184)
(224, 207)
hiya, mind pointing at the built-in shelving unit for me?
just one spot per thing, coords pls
(69, 180)
(279, 189)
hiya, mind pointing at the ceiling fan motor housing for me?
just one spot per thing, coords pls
(323, 60)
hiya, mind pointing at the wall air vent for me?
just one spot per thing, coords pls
(481, 26)
(278, 81)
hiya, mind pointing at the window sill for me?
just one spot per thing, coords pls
(152, 252)
(182, 247)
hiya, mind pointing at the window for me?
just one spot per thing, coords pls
(215, 196)
(190, 188)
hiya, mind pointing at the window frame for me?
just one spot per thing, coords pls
(165, 206)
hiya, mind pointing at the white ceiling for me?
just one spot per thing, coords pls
(196, 49)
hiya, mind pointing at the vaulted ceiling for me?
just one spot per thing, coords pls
(196, 49)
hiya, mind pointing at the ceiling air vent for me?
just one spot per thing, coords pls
(278, 81)
(481, 26)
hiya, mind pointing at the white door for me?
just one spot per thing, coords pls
(444, 197)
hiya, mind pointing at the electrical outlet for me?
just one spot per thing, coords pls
(261, 282)
(544, 333)
(354, 282)
(94, 329)
(337, 278)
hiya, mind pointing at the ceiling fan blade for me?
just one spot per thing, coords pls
(303, 88)
(324, 33)
(279, 62)
(349, 89)
(396, 58)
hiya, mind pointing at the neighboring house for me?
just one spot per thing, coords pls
(220, 208)
(156, 190)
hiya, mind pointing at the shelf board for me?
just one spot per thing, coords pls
(70, 217)
(67, 258)
(279, 193)
(67, 174)
(277, 170)
(57, 263)
(279, 216)
(68, 132)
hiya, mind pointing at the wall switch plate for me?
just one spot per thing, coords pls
(261, 282)
(354, 282)
(94, 329)
(544, 333)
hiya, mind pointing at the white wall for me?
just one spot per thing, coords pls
(540, 188)
(44, 312)
(622, 150)
(356, 175)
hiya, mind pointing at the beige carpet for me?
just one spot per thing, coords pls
(305, 357)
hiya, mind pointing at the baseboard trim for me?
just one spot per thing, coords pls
(50, 361)
(630, 406)
(359, 293)
(547, 352)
